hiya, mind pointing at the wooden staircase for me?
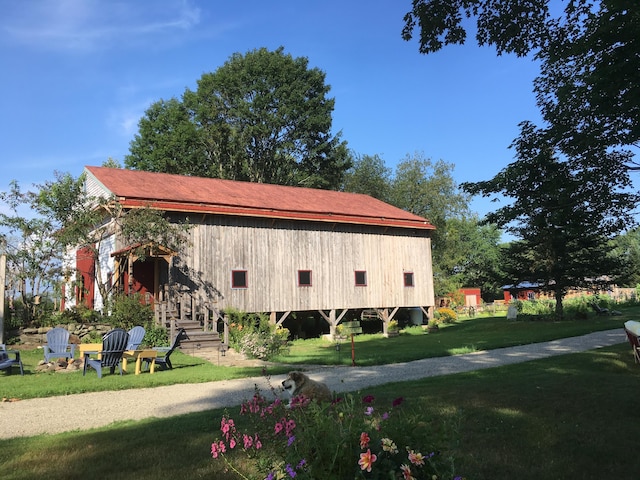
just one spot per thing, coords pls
(199, 322)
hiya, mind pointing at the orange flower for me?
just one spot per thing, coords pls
(366, 460)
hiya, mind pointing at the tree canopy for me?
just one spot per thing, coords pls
(61, 215)
(262, 117)
(563, 214)
(589, 87)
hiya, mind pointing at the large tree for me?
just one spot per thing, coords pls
(369, 175)
(42, 224)
(33, 251)
(563, 215)
(428, 189)
(262, 117)
(589, 87)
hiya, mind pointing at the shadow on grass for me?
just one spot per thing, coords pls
(572, 416)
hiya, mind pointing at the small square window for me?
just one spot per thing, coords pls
(239, 279)
(408, 279)
(304, 278)
(361, 278)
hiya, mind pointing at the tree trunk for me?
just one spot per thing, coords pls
(559, 294)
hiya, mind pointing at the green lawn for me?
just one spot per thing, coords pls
(571, 416)
(480, 333)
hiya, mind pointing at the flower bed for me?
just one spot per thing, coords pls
(352, 437)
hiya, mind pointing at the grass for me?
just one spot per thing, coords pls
(187, 369)
(571, 416)
(467, 335)
(470, 334)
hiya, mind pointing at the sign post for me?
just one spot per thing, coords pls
(352, 328)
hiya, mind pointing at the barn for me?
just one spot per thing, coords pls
(271, 249)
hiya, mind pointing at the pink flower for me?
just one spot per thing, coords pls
(232, 443)
(416, 458)
(217, 449)
(278, 428)
(247, 440)
(289, 426)
(406, 472)
(366, 460)
(364, 440)
(257, 443)
(368, 411)
(227, 427)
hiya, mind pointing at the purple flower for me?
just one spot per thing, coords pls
(290, 471)
(368, 411)
(292, 439)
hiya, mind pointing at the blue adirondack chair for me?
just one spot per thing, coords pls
(136, 334)
(114, 343)
(58, 345)
(164, 353)
(6, 362)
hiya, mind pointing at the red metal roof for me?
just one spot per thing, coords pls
(136, 188)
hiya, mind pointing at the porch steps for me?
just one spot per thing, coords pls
(197, 338)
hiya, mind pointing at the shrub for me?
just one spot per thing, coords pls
(128, 311)
(352, 437)
(75, 314)
(446, 315)
(156, 336)
(254, 336)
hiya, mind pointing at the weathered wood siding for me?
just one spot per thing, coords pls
(273, 251)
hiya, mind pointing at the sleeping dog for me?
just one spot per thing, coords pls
(298, 384)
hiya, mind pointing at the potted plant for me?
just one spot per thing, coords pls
(392, 328)
(432, 325)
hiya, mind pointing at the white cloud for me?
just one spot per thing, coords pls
(86, 25)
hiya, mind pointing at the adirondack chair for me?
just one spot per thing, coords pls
(136, 334)
(599, 310)
(114, 343)
(58, 345)
(6, 362)
(164, 353)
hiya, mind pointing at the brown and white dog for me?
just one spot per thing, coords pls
(298, 384)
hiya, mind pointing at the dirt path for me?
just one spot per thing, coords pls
(88, 410)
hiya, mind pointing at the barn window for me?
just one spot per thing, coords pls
(239, 279)
(304, 278)
(361, 278)
(408, 279)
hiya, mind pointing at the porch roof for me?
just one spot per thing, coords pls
(139, 189)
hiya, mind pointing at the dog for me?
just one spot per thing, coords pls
(298, 384)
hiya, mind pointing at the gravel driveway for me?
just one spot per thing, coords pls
(88, 410)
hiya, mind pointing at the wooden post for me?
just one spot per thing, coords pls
(3, 266)
(353, 351)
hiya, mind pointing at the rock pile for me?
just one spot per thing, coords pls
(61, 365)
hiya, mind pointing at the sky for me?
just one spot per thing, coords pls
(77, 75)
